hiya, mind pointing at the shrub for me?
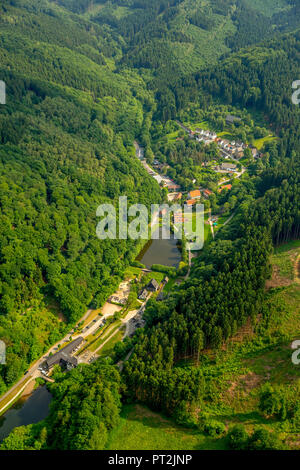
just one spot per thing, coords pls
(164, 269)
(137, 264)
(262, 439)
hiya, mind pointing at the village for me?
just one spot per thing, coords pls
(232, 151)
(230, 163)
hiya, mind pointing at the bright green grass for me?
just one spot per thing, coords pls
(154, 275)
(141, 429)
(172, 137)
(190, 222)
(104, 334)
(259, 143)
(284, 258)
(132, 272)
(268, 7)
(207, 231)
(226, 135)
(287, 247)
(221, 222)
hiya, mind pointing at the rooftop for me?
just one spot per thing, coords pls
(65, 353)
(195, 193)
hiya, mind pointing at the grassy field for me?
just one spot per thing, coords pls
(132, 273)
(207, 233)
(153, 275)
(170, 285)
(142, 429)
(199, 125)
(173, 136)
(191, 224)
(221, 221)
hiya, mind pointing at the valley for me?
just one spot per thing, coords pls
(149, 344)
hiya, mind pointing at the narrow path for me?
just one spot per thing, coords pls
(228, 220)
(19, 392)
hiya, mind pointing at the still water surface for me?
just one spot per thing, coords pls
(29, 410)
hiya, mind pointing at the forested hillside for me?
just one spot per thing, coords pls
(173, 37)
(227, 283)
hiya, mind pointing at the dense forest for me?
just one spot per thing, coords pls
(84, 80)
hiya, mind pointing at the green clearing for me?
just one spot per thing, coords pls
(105, 333)
(142, 429)
(207, 233)
(153, 275)
(287, 247)
(132, 272)
(199, 125)
(259, 143)
(221, 221)
(226, 135)
(190, 222)
(268, 7)
(108, 348)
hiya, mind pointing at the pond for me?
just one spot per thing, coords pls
(29, 410)
(160, 251)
